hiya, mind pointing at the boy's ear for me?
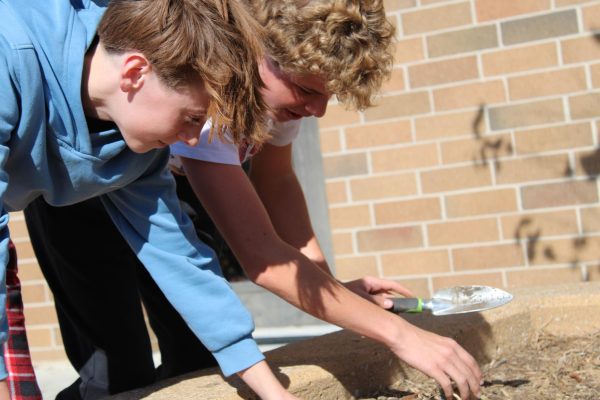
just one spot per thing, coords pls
(133, 72)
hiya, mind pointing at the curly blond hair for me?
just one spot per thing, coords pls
(347, 42)
(217, 41)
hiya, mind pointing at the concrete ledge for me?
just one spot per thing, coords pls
(340, 364)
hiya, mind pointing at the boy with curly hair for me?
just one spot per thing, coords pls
(314, 49)
(91, 96)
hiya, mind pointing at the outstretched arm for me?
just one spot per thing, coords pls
(230, 199)
(276, 183)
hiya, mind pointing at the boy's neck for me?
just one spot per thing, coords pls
(96, 83)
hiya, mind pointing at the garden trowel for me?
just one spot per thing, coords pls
(455, 300)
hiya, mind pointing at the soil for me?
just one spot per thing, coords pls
(549, 368)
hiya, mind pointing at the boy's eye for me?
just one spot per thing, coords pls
(194, 120)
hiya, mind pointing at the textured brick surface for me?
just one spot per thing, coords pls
(381, 187)
(547, 83)
(588, 163)
(533, 169)
(559, 194)
(389, 238)
(409, 50)
(553, 138)
(399, 105)
(581, 49)
(462, 41)
(447, 125)
(391, 5)
(585, 106)
(336, 192)
(431, 19)
(494, 9)
(374, 135)
(490, 279)
(487, 257)
(507, 61)
(330, 141)
(470, 95)
(527, 114)
(539, 27)
(531, 226)
(439, 72)
(471, 231)
(542, 277)
(591, 219)
(349, 268)
(415, 263)
(477, 149)
(565, 251)
(345, 165)
(342, 243)
(455, 178)
(338, 115)
(488, 202)
(349, 217)
(408, 157)
(398, 212)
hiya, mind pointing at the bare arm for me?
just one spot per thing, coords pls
(230, 199)
(276, 183)
(277, 186)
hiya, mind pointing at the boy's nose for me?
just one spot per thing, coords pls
(317, 106)
(189, 137)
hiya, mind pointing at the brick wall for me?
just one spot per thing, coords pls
(480, 163)
(479, 166)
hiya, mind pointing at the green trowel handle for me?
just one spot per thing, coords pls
(407, 305)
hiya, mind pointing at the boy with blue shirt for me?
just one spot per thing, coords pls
(315, 49)
(91, 97)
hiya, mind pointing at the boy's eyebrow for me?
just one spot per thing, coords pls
(195, 111)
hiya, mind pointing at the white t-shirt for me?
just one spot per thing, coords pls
(217, 151)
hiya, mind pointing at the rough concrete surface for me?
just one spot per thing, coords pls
(338, 365)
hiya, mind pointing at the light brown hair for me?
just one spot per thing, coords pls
(347, 42)
(216, 41)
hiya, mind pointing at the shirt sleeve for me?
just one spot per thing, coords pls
(148, 214)
(9, 117)
(284, 133)
(215, 150)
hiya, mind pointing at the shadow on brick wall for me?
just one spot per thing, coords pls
(490, 151)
